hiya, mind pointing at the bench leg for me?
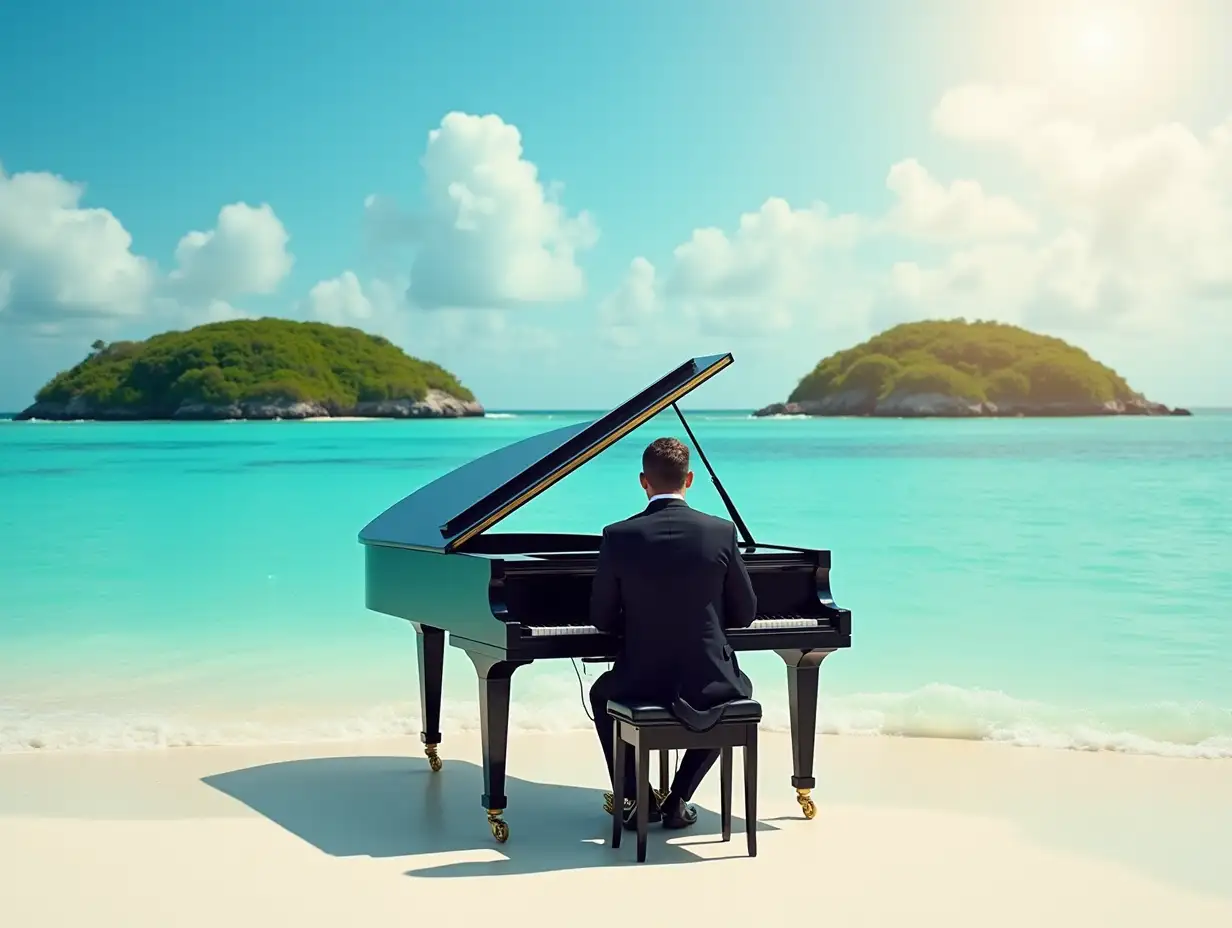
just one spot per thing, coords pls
(643, 800)
(618, 784)
(725, 791)
(750, 789)
(663, 781)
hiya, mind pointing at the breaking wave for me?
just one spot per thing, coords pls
(938, 710)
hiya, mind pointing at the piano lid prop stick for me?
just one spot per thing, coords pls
(718, 484)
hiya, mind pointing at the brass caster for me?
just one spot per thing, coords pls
(500, 830)
(807, 806)
(434, 759)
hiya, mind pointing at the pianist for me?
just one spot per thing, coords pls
(669, 580)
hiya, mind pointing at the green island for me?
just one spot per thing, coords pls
(957, 368)
(253, 369)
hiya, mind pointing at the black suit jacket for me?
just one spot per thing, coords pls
(670, 580)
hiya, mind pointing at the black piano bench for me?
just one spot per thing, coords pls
(647, 727)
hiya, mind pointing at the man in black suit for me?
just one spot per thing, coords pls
(669, 581)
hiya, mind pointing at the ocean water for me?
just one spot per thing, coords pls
(1064, 583)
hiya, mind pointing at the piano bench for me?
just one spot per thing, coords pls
(647, 727)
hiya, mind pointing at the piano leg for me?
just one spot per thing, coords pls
(495, 676)
(803, 671)
(430, 643)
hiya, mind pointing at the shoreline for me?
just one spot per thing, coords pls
(908, 831)
(141, 734)
(940, 406)
(285, 711)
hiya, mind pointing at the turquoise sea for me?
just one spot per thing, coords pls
(1045, 582)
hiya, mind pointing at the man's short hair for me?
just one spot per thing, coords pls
(665, 462)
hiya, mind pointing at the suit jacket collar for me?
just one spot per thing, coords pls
(664, 503)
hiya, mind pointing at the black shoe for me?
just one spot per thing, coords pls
(653, 815)
(676, 814)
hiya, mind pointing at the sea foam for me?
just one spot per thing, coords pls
(934, 711)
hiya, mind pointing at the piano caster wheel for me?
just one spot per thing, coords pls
(807, 806)
(500, 830)
(434, 759)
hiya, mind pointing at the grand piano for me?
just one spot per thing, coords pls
(510, 598)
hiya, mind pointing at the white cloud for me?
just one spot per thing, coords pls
(961, 211)
(245, 253)
(381, 307)
(1132, 229)
(632, 306)
(1142, 220)
(60, 260)
(216, 311)
(378, 306)
(749, 282)
(987, 281)
(490, 235)
(340, 301)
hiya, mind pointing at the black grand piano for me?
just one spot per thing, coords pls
(510, 598)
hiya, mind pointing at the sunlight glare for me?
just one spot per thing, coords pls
(1108, 55)
(1097, 43)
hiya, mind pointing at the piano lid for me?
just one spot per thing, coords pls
(446, 513)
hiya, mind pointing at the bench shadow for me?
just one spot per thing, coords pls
(389, 806)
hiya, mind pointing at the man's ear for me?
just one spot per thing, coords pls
(688, 480)
(641, 478)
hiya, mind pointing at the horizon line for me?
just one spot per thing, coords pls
(598, 409)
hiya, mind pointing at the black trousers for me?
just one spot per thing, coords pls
(694, 766)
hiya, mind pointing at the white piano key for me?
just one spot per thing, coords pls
(794, 621)
(538, 631)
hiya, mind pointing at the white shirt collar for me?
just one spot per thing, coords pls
(666, 496)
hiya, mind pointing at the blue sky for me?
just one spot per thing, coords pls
(1057, 165)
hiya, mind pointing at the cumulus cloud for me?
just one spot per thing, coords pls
(746, 282)
(634, 305)
(381, 306)
(1131, 229)
(245, 253)
(1142, 221)
(490, 235)
(928, 210)
(61, 260)
(340, 300)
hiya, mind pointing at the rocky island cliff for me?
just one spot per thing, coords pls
(961, 369)
(253, 369)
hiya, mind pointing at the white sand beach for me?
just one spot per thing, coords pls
(909, 832)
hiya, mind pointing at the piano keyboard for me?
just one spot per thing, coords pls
(768, 622)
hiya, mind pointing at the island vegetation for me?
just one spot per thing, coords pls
(960, 368)
(253, 369)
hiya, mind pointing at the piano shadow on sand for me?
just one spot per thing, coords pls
(397, 807)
